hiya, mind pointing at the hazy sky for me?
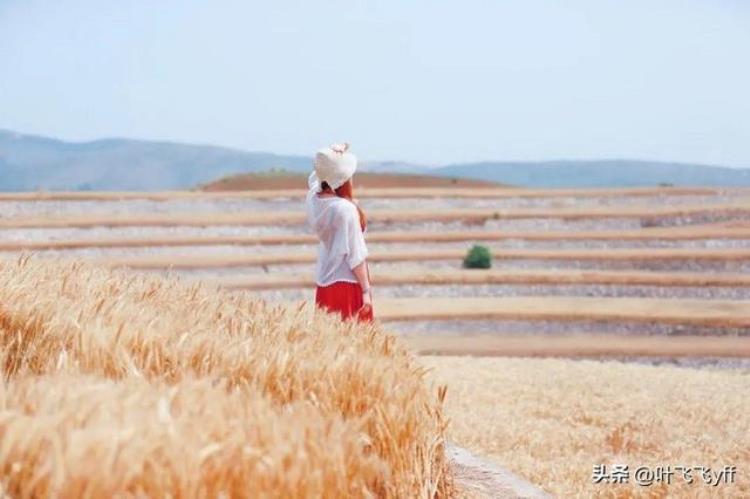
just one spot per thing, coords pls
(426, 81)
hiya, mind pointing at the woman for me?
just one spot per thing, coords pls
(341, 273)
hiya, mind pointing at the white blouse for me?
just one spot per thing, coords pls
(342, 244)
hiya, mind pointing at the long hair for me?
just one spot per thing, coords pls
(346, 191)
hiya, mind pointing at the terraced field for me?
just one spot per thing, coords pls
(637, 250)
(643, 276)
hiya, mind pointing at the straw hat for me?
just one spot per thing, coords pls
(335, 165)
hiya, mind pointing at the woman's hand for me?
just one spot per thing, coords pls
(365, 313)
(362, 273)
(340, 148)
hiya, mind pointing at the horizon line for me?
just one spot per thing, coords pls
(366, 161)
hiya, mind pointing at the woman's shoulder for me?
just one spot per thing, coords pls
(314, 198)
(345, 207)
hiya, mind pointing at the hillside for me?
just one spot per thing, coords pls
(29, 162)
(599, 173)
(289, 180)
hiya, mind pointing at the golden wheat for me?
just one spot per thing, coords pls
(119, 383)
(552, 420)
(93, 437)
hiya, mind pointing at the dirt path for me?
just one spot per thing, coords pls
(477, 477)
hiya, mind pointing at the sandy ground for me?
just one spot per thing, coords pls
(421, 276)
(294, 191)
(535, 226)
(648, 237)
(297, 216)
(581, 345)
(187, 261)
(11, 208)
(286, 243)
(269, 244)
(417, 282)
(435, 265)
(718, 313)
(519, 290)
(538, 326)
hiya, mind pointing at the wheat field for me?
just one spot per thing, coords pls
(553, 420)
(119, 384)
(188, 312)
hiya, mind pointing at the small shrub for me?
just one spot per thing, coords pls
(478, 257)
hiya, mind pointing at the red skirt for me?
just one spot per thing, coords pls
(345, 298)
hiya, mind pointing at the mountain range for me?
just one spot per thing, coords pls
(29, 162)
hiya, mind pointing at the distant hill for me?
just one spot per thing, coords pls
(600, 173)
(291, 180)
(29, 162)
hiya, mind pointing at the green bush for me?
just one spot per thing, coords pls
(478, 257)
